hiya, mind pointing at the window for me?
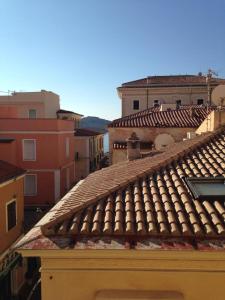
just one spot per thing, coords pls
(32, 114)
(178, 103)
(206, 188)
(156, 103)
(76, 155)
(29, 150)
(200, 101)
(30, 185)
(67, 147)
(136, 104)
(11, 214)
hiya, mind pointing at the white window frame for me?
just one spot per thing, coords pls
(35, 152)
(31, 195)
(6, 214)
(67, 147)
(34, 109)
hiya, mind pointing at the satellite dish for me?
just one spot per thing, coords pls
(218, 95)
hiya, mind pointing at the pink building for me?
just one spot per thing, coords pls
(43, 147)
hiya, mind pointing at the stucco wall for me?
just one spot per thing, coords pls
(7, 193)
(214, 120)
(46, 103)
(164, 95)
(183, 275)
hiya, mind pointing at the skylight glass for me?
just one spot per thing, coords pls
(206, 188)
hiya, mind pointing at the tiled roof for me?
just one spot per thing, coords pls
(6, 140)
(148, 196)
(186, 117)
(85, 132)
(63, 111)
(142, 202)
(173, 80)
(9, 171)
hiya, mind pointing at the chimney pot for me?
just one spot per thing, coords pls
(133, 147)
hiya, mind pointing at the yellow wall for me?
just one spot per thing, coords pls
(214, 120)
(7, 193)
(118, 274)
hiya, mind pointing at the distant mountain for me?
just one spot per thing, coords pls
(94, 123)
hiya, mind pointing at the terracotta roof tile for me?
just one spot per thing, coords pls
(146, 197)
(86, 132)
(9, 171)
(173, 80)
(152, 117)
(142, 204)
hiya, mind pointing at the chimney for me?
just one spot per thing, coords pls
(133, 147)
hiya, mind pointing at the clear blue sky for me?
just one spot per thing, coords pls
(84, 49)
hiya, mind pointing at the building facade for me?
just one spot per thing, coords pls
(152, 91)
(12, 269)
(88, 152)
(45, 148)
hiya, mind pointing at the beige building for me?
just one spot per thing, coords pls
(155, 127)
(141, 229)
(152, 91)
(35, 105)
(88, 152)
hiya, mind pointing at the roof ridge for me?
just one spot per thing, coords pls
(129, 172)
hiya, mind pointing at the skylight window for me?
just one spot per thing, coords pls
(209, 188)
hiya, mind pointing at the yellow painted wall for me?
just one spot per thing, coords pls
(7, 193)
(214, 120)
(131, 274)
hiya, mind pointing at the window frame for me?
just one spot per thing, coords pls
(31, 195)
(136, 101)
(156, 103)
(201, 100)
(35, 149)
(32, 109)
(190, 182)
(178, 103)
(7, 219)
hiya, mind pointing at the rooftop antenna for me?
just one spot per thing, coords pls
(208, 82)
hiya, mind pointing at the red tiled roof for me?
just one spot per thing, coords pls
(9, 171)
(143, 202)
(152, 117)
(85, 132)
(63, 111)
(173, 80)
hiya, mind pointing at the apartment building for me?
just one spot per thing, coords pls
(88, 152)
(12, 269)
(45, 148)
(42, 143)
(152, 91)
